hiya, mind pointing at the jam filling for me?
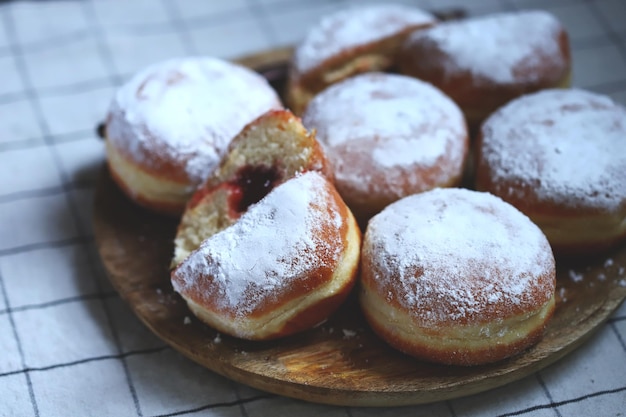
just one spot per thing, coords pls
(251, 184)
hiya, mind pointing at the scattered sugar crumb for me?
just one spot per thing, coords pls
(601, 277)
(348, 334)
(608, 262)
(217, 338)
(575, 276)
(159, 291)
(562, 293)
(187, 320)
(622, 282)
(620, 271)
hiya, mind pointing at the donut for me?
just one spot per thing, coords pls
(283, 267)
(456, 276)
(267, 152)
(349, 42)
(169, 125)
(484, 62)
(559, 156)
(388, 136)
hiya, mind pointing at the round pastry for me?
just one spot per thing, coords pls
(267, 152)
(388, 136)
(559, 156)
(169, 126)
(482, 63)
(456, 277)
(347, 43)
(284, 266)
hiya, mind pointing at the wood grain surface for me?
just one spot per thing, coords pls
(342, 362)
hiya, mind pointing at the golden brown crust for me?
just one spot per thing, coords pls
(155, 192)
(171, 123)
(329, 55)
(371, 57)
(470, 350)
(457, 277)
(288, 123)
(552, 155)
(299, 299)
(275, 145)
(388, 136)
(274, 164)
(477, 95)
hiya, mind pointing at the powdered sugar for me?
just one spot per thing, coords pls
(386, 121)
(351, 28)
(186, 111)
(455, 254)
(494, 46)
(568, 145)
(273, 246)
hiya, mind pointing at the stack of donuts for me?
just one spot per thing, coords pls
(435, 167)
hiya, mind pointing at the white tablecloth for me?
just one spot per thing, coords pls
(68, 345)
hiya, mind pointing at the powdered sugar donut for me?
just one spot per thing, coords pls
(388, 136)
(267, 152)
(284, 266)
(560, 157)
(484, 62)
(349, 42)
(456, 276)
(169, 125)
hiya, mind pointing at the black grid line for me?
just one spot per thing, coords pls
(103, 47)
(48, 43)
(451, 409)
(47, 192)
(22, 195)
(180, 25)
(88, 85)
(105, 52)
(34, 142)
(44, 245)
(72, 185)
(35, 102)
(16, 337)
(545, 389)
(218, 405)
(183, 28)
(83, 297)
(11, 97)
(120, 356)
(18, 144)
(286, 6)
(138, 29)
(555, 405)
(242, 407)
(615, 37)
(618, 335)
(262, 21)
(591, 42)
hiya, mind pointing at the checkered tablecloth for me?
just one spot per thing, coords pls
(68, 345)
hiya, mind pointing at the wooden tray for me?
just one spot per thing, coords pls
(341, 362)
